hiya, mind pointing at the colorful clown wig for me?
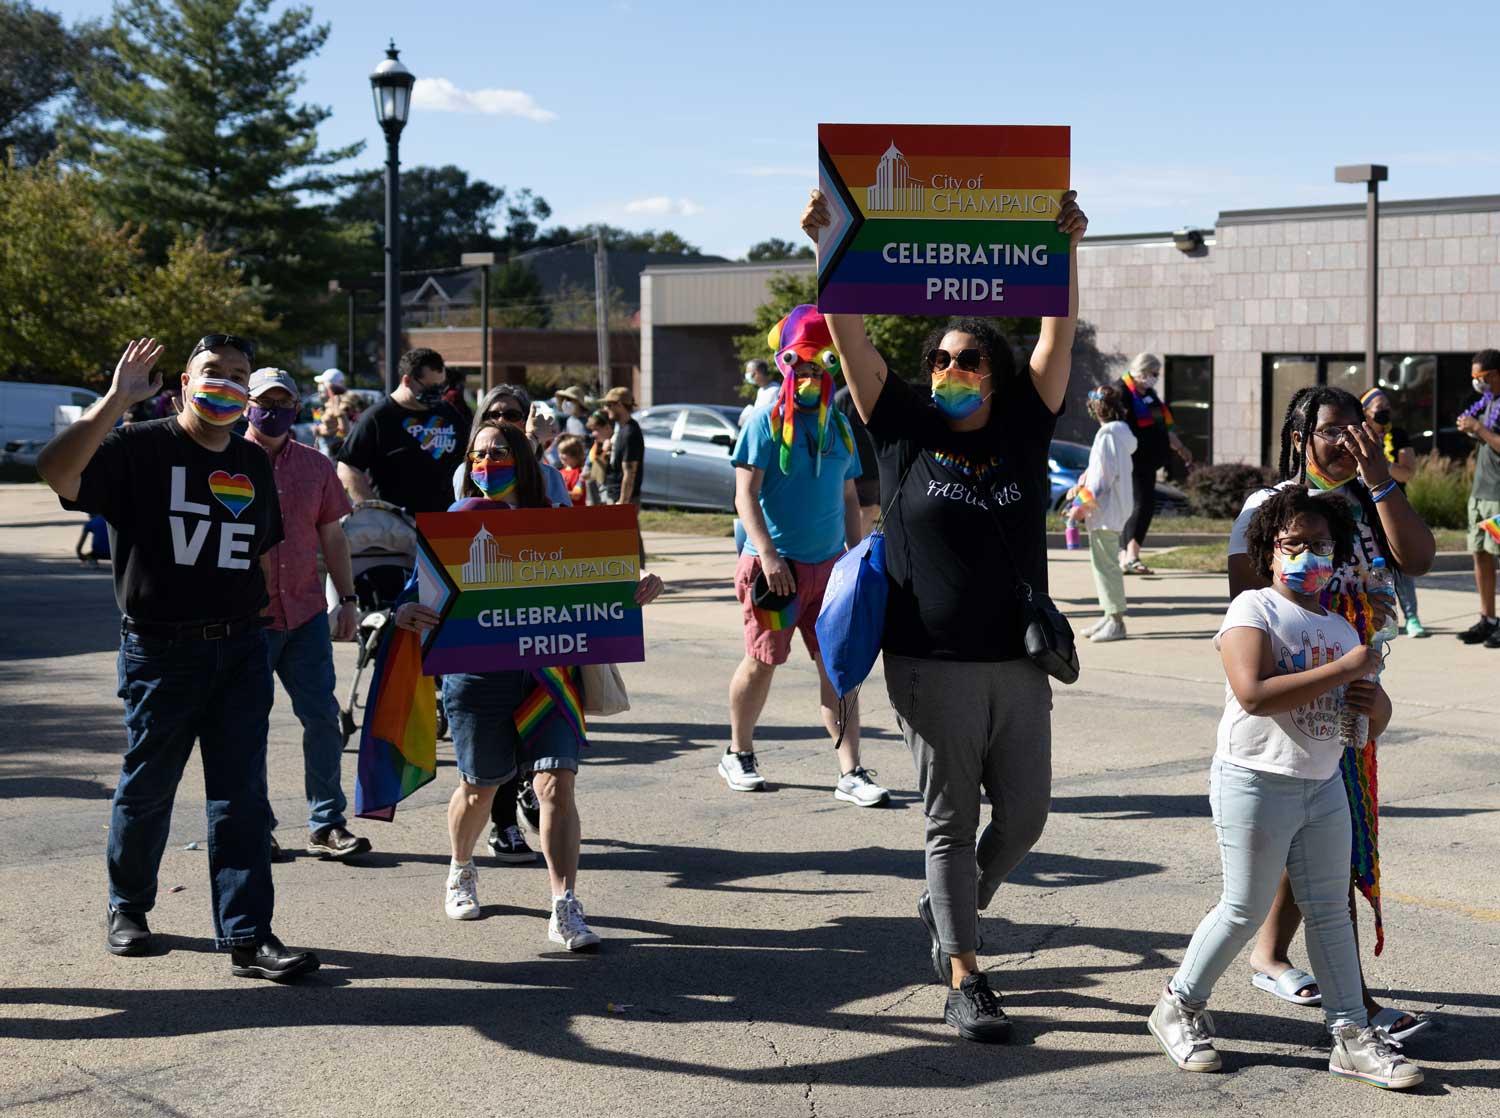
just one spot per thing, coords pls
(803, 336)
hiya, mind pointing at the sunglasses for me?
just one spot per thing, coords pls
(494, 454)
(509, 415)
(1322, 548)
(966, 359)
(1382, 417)
(217, 341)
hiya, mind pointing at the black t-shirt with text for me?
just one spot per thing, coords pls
(410, 455)
(187, 525)
(952, 586)
(629, 446)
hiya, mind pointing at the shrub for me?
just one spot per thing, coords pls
(1439, 490)
(1220, 490)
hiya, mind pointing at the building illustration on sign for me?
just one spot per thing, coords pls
(893, 189)
(486, 564)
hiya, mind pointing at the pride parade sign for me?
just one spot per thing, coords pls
(943, 219)
(529, 588)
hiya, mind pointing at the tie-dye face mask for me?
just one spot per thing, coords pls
(495, 481)
(957, 393)
(217, 401)
(1306, 573)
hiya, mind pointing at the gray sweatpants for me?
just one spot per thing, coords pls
(973, 726)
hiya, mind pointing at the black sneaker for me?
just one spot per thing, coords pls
(1493, 641)
(528, 807)
(336, 842)
(974, 1010)
(1481, 631)
(510, 846)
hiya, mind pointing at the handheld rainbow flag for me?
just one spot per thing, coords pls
(398, 745)
(1491, 528)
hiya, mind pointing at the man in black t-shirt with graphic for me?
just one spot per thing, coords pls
(627, 457)
(192, 512)
(405, 448)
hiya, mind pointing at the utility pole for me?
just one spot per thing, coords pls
(1372, 175)
(601, 310)
(483, 261)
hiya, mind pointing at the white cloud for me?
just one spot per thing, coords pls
(663, 206)
(439, 95)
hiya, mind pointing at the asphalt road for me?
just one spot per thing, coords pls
(761, 952)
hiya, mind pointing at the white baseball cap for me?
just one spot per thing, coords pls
(334, 377)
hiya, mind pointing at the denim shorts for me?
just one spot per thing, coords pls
(481, 717)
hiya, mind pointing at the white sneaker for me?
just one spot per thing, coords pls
(1113, 629)
(462, 899)
(740, 773)
(1371, 1056)
(1096, 626)
(857, 788)
(567, 925)
(1185, 1032)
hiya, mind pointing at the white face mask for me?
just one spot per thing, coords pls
(1479, 385)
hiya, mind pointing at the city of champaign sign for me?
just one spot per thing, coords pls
(530, 588)
(943, 219)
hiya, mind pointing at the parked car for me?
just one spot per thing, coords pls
(36, 412)
(687, 455)
(1066, 463)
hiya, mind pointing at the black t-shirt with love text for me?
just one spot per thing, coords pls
(952, 583)
(187, 525)
(410, 455)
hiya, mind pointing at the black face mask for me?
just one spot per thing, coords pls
(430, 395)
(1382, 417)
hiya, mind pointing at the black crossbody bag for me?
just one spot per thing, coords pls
(1045, 632)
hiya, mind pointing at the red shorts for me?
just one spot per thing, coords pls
(768, 637)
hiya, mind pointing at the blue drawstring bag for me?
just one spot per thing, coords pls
(852, 620)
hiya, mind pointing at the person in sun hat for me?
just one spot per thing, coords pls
(794, 491)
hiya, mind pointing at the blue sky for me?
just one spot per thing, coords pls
(702, 116)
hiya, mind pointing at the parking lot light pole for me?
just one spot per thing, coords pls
(1372, 175)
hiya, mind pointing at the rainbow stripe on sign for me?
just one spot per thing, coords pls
(943, 219)
(533, 588)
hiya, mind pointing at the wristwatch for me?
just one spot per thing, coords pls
(349, 599)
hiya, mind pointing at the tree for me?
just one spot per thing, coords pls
(624, 240)
(774, 248)
(444, 214)
(77, 284)
(201, 135)
(40, 63)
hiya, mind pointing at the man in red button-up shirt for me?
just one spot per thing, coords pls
(312, 504)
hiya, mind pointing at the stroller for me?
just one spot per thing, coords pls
(383, 553)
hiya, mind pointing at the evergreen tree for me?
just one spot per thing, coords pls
(41, 61)
(202, 136)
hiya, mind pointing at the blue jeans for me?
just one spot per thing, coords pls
(219, 694)
(486, 745)
(1406, 594)
(302, 659)
(1265, 822)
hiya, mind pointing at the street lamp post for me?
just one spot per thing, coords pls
(484, 261)
(1372, 175)
(391, 83)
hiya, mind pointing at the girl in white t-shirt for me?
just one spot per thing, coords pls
(1277, 797)
(1103, 499)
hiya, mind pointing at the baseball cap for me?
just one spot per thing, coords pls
(263, 380)
(334, 377)
(763, 597)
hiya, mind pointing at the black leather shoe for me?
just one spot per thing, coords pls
(125, 933)
(270, 959)
(942, 963)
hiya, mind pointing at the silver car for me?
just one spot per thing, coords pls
(687, 455)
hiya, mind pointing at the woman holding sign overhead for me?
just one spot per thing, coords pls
(507, 720)
(963, 472)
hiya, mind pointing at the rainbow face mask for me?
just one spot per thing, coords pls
(495, 481)
(217, 401)
(956, 393)
(1306, 573)
(809, 392)
(1319, 480)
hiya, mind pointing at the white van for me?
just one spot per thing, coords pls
(30, 412)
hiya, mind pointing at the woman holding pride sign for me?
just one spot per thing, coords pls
(958, 468)
(503, 721)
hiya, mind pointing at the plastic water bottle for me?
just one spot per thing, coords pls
(1072, 536)
(1354, 728)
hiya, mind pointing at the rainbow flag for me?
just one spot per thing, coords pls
(1359, 769)
(1492, 527)
(555, 695)
(398, 744)
(943, 219)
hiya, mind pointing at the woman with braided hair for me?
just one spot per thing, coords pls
(1327, 444)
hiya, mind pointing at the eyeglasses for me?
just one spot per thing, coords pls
(1336, 435)
(509, 415)
(494, 454)
(1293, 547)
(966, 359)
(217, 341)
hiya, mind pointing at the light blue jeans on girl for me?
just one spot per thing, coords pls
(1265, 822)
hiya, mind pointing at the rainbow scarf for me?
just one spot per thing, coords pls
(398, 745)
(1142, 405)
(1361, 777)
(555, 695)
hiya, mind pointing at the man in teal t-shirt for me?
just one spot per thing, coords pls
(794, 491)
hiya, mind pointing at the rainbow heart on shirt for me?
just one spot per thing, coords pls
(233, 491)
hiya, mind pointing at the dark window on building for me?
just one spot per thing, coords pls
(1190, 395)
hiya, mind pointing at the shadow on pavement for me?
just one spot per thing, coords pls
(55, 607)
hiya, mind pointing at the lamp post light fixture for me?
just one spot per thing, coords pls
(391, 84)
(1372, 175)
(484, 261)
